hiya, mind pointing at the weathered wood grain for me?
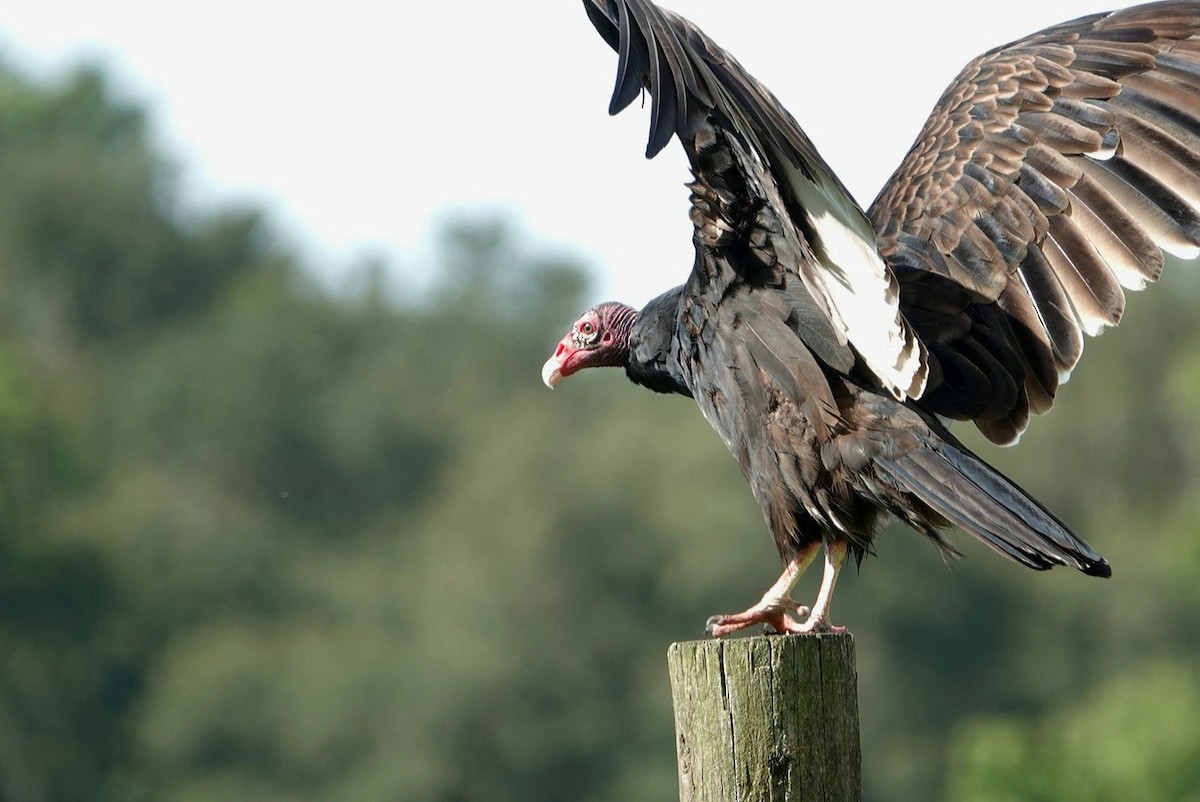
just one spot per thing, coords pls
(767, 718)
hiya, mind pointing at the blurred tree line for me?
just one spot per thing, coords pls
(260, 540)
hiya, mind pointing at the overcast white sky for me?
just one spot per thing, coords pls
(359, 123)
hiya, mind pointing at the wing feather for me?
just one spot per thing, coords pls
(1109, 224)
(1095, 294)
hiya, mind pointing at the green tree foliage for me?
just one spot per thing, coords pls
(1133, 737)
(264, 541)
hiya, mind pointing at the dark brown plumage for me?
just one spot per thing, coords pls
(827, 345)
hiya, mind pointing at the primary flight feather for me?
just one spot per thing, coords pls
(829, 347)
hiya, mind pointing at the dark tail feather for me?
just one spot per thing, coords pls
(979, 499)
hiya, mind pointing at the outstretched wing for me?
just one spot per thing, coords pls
(769, 213)
(1051, 174)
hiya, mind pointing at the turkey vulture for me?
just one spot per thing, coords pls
(830, 348)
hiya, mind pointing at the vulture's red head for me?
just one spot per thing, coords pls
(600, 338)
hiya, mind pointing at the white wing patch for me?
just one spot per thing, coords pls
(862, 294)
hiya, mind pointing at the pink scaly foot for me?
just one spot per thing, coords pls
(776, 616)
(776, 608)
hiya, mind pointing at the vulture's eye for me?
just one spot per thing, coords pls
(587, 329)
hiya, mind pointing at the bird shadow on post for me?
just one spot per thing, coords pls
(767, 718)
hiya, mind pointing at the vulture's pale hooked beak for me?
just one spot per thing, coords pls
(552, 372)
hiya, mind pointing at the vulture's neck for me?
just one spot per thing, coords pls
(654, 346)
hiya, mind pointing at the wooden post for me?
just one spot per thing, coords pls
(769, 718)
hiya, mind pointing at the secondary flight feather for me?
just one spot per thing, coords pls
(827, 345)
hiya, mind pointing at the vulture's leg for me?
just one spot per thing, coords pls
(776, 605)
(818, 620)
